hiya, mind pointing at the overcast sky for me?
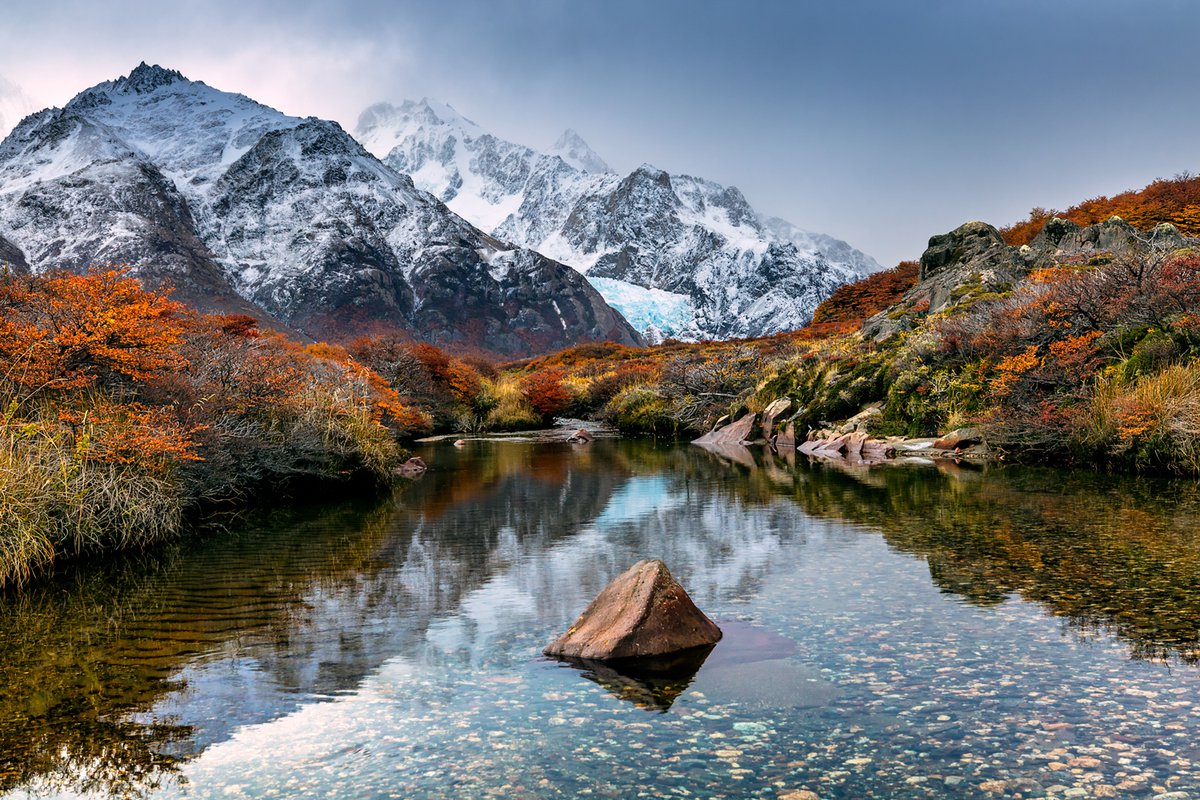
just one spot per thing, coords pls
(882, 123)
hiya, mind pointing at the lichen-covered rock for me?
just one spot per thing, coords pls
(643, 613)
(971, 259)
(1061, 239)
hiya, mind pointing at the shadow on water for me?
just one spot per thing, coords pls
(651, 683)
(655, 683)
(318, 599)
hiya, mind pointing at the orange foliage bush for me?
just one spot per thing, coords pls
(422, 375)
(67, 331)
(136, 378)
(854, 302)
(545, 391)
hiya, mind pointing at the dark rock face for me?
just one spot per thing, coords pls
(11, 257)
(1061, 237)
(972, 252)
(643, 613)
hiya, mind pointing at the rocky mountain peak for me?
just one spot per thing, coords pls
(680, 256)
(571, 148)
(145, 78)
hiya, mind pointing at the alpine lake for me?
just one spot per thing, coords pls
(914, 631)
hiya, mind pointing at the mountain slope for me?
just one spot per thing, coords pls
(235, 203)
(637, 236)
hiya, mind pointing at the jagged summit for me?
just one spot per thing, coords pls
(146, 78)
(571, 148)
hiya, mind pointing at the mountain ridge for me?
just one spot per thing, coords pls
(649, 229)
(243, 208)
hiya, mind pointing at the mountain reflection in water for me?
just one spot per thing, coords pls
(116, 676)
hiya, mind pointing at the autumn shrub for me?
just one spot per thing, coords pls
(545, 392)
(854, 302)
(511, 410)
(641, 409)
(605, 386)
(700, 390)
(122, 412)
(445, 388)
(1153, 421)
(96, 477)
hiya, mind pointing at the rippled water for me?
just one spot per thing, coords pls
(900, 632)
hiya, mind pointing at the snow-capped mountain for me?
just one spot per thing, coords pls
(572, 149)
(237, 204)
(679, 256)
(15, 105)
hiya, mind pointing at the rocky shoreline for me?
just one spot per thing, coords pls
(848, 442)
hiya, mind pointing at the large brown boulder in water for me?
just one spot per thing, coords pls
(644, 612)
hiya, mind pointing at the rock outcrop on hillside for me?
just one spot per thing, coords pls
(973, 260)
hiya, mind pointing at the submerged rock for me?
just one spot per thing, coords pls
(412, 468)
(644, 612)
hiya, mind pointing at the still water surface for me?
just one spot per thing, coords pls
(900, 632)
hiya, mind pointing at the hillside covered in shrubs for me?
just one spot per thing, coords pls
(1078, 347)
(1175, 201)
